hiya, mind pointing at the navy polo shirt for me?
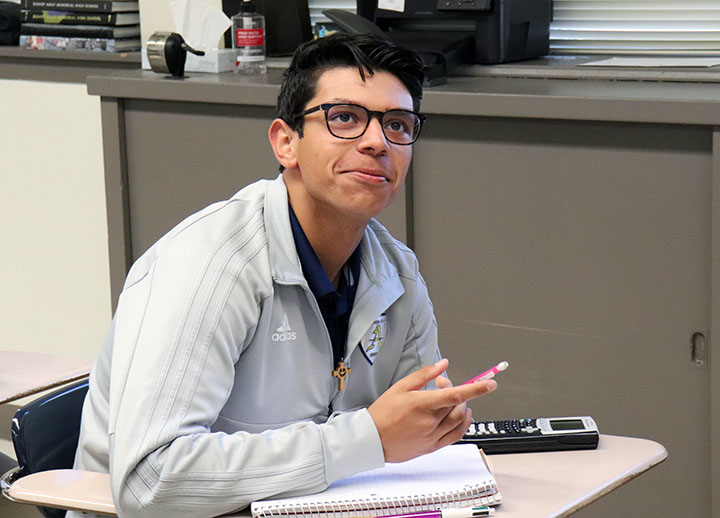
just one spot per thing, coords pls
(335, 305)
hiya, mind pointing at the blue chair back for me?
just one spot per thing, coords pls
(45, 433)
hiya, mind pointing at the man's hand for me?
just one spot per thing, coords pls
(412, 422)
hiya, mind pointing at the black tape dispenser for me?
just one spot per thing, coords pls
(167, 51)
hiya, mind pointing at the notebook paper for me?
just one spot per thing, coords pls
(452, 477)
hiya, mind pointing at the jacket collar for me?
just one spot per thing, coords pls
(284, 261)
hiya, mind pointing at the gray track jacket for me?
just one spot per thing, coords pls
(213, 386)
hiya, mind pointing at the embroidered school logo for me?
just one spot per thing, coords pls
(373, 340)
(284, 333)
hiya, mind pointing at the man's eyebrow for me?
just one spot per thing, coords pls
(337, 100)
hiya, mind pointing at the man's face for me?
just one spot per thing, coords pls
(351, 178)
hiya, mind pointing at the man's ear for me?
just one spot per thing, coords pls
(282, 138)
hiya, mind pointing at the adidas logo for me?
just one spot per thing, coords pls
(284, 333)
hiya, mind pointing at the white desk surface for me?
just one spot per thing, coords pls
(555, 484)
(533, 485)
(66, 489)
(25, 373)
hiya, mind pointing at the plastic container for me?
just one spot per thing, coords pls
(249, 40)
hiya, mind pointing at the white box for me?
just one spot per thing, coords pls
(214, 61)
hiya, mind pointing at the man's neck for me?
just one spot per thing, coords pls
(332, 240)
(333, 237)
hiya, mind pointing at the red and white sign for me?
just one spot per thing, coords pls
(249, 37)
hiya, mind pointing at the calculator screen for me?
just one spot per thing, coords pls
(566, 424)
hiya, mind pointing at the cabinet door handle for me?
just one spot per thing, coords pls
(698, 348)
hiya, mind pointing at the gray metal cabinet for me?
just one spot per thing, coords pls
(182, 157)
(580, 253)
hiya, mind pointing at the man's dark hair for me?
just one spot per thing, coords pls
(366, 52)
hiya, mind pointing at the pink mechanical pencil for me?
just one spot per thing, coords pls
(489, 373)
(471, 512)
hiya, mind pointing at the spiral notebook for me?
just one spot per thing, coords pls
(452, 477)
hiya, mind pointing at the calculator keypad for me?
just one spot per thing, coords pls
(524, 435)
(523, 427)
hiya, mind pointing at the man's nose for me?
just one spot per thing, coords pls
(374, 138)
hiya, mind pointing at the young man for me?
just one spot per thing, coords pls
(279, 341)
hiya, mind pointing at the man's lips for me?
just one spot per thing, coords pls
(378, 175)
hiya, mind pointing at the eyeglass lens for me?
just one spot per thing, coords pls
(350, 121)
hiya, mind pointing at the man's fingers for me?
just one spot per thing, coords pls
(453, 396)
(421, 377)
(454, 418)
(453, 435)
(443, 382)
(435, 417)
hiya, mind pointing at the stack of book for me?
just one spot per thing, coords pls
(91, 25)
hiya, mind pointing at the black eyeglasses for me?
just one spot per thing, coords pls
(350, 121)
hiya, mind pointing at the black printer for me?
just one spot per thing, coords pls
(449, 33)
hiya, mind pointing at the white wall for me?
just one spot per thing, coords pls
(54, 275)
(155, 16)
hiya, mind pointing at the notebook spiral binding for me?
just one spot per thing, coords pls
(470, 496)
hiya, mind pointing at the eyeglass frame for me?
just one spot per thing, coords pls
(326, 107)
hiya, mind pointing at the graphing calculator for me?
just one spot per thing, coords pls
(533, 435)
